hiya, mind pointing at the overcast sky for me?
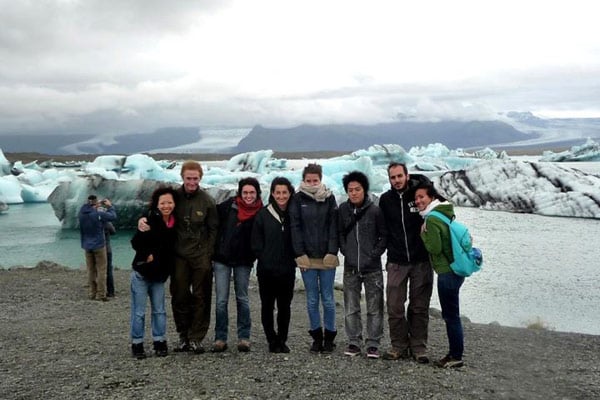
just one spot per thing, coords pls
(101, 66)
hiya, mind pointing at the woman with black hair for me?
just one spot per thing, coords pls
(276, 270)
(436, 237)
(153, 262)
(233, 256)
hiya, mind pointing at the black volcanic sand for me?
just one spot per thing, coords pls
(56, 344)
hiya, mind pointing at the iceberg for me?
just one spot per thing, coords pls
(4, 164)
(130, 198)
(521, 186)
(589, 151)
(10, 190)
(483, 179)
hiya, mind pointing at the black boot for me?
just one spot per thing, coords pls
(161, 349)
(317, 335)
(137, 349)
(328, 345)
(274, 347)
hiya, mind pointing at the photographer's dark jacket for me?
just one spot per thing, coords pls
(91, 226)
(233, 246)
(272, 243)
(158, 241)
(363, 236)
(404, 244)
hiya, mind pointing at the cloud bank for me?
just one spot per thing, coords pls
(99, 67)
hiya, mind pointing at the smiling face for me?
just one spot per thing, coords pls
(312, 179)
(398, 177)
(191, 180)
(166, 204)
(249, 194)
(281, 194)
(422, 199)
(356, 193)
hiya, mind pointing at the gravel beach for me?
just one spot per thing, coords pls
(55, 343)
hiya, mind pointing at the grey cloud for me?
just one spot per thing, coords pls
(58, 42)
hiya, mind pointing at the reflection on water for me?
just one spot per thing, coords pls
(535, 266)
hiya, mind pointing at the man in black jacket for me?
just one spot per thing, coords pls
(407, 260)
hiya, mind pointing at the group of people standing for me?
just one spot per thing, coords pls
(189, 238)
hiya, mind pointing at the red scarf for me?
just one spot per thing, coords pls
(247, 211)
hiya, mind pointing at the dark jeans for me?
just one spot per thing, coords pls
(448, 285)
(408, 328)
(110, 280)
(278, 289)
(241, 279)
(191, 291)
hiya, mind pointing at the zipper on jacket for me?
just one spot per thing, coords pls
(404, 226)
(357, 244)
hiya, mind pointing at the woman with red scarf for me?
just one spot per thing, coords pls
(233, 254)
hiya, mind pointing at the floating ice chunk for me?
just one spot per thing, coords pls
(38, 193)
(4, 164)
(255, 161)
(589, 151)
(10, 190)
(540, 188)
(106, 163)
(383, 154)
(30, 177)
(129, 197)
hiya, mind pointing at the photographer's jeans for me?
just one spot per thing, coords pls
(448, 288)
(241, 278)
(141, 289)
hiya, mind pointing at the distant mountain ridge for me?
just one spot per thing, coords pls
(128, 143)
(350, 137)
(512, 130)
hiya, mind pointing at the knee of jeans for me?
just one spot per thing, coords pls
(139, 312)
(222, 302)
(328, 301)
(160, 311)
(312, 301)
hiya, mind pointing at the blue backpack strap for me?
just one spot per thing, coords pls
(441, 216)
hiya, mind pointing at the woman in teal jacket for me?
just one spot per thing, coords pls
(436, 237)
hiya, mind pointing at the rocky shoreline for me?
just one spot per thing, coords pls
(54, 343)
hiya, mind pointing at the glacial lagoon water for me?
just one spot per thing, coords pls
(536, 267)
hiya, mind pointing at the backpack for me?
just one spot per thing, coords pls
(466, 258)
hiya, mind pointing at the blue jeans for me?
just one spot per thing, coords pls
(320, 282)
(241, 278)
(141, 289)
(448, 287)
(373, 282)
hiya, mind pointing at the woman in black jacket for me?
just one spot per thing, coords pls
(233, 256)
(276, 270)
(313, 220)
(152, 265)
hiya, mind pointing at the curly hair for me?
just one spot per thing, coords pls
(356, 176)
